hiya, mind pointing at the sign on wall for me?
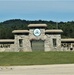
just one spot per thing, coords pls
(37, 32)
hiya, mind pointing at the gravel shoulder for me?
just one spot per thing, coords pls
(58, 69)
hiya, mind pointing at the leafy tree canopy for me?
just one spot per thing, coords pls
(8, 26)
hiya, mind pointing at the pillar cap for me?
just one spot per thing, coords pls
(6, 40)
(20, 31)
(37, 25)
(54, 31)
(67, 40)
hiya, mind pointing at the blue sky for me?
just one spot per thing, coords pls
(55, 10)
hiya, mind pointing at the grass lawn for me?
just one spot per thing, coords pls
(36, 58)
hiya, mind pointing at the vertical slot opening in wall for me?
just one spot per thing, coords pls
(20, 42)
(54, 43)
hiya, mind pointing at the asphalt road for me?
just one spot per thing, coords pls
(64, 69)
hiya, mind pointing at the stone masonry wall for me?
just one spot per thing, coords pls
(49, 42)
(33, 37)
(25, 43)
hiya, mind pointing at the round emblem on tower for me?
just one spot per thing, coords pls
(37, 32)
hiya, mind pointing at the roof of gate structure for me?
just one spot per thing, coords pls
(37, 25)
(67, 40)
(6, 40)
(20, 31)
(54, 31)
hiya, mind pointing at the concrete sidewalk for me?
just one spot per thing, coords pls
(61, 69)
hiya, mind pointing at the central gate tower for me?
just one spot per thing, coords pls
(37, 36)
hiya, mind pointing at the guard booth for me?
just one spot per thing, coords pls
(22, 42)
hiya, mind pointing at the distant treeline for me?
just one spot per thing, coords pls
(8, 26)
